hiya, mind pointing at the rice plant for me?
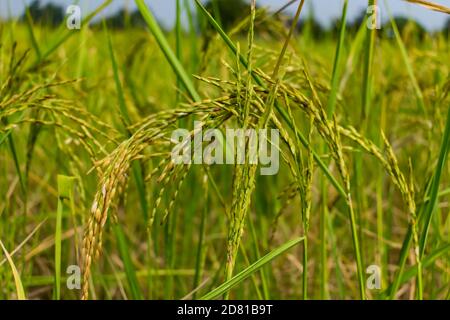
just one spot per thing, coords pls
(93, 205)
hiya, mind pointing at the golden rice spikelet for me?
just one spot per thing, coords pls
(431, 5)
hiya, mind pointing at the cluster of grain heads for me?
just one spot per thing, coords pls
(153, 131)
(244, 175)
(92, 241)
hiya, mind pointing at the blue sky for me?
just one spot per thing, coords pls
(325, 10)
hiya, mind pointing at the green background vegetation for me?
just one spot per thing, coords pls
(364, 179)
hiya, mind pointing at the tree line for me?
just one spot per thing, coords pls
(227, 12)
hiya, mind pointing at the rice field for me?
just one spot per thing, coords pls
(92, 205)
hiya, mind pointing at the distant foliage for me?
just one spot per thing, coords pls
(312, 26)
(124, 19)
(49, 14)
(228, 12)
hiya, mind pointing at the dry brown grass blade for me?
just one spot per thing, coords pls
(431, 5)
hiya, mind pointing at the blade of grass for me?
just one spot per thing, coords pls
(244, 254)
(407, 62)
(323, 240)
(337, 61)
(12, 147)
(368, 67)
(355, 51)
(216, 12)
(287, 40)
(34, 43)
(120, 95)
(336, 256)
(24, 241)
(65, 192)
(178, 44)
(193, 37)
(201, 247)
(434, 191)
(411, 272)
(247, 272)
(170, 235)
(165, 47)
(263, 275)
(18, 282)
(130, 271)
